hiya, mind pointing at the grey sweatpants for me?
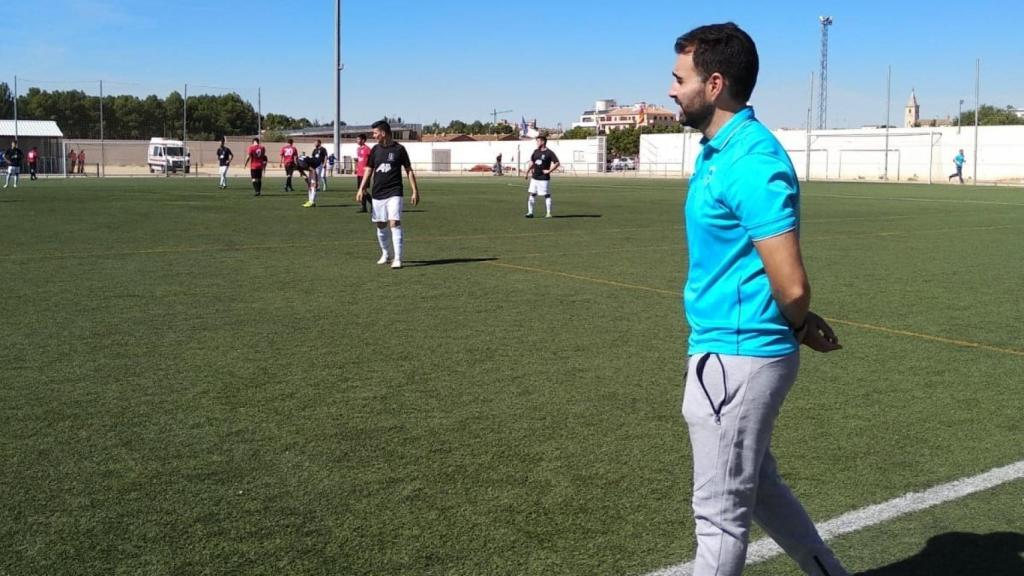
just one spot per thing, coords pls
(730, 404)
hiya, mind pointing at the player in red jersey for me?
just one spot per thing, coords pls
(256, 159)
(288, 157)
(362, 155)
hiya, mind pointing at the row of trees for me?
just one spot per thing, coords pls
(134, 118)
(624, 141)
(477, 127)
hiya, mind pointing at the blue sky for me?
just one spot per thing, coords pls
(427, 60)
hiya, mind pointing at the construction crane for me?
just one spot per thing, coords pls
(494, 115)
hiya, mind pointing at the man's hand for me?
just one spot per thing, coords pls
(359, 196)
(415, 197)
(818, 335)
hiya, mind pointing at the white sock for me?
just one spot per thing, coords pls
(383, 238)
(396, 239)
(547, 204)
(529, 204)
(312, 194)
(7, 180)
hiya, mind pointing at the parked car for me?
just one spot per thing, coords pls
(624, 163)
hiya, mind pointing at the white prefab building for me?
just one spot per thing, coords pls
(872, 154)
(44, 135)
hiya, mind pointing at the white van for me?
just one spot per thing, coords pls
(168, 156)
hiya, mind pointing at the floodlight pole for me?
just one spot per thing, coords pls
(888, 109)
(959, 113)
(977, 113)
(184, 119)
(259, 112)
(337, 82)
(15, 107)
(103, 161)
(810, 107)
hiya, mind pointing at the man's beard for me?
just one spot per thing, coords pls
(699, 118)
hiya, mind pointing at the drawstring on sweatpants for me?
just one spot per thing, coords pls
(717, 409)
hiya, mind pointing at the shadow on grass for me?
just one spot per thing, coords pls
(576, 216)
(443, 261)
(962, 554)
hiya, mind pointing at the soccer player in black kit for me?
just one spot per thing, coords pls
(542, 163)
(385, 165)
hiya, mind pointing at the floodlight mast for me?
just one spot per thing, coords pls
(826, 22)
(337, 80)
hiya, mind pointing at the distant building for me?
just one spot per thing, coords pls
(607, 115)
(912, 112)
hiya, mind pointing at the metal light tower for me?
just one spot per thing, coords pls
(826, 22)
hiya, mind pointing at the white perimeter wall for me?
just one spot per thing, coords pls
(914, 153)
(576, 156)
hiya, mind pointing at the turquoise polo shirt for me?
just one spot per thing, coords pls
(743, 189)
(959, 160)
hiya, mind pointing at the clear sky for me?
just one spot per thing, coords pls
(427, 60)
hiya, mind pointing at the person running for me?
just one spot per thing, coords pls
(747, 301)
(288, 157)
(362, 156)
(256, 159)
(13, 156)
(224, 158)
(542, 163)
(33, 161)
(320, 153)
(386, 161)
(958, 161)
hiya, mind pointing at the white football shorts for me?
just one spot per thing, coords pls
(387, 209)
(539, 187)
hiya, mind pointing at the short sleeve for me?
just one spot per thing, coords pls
(554, 158)
(406, 163)
(764, 195)
(371, 158)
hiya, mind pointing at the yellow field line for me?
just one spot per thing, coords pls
(894, 331)
(964, 343)
(586, 278)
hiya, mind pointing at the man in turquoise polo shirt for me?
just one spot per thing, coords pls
(747, 302)
(958, 161)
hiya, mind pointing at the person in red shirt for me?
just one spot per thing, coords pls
(81, 161)
(288, 157)
(362, 155)
(33, 159)
(256, 159)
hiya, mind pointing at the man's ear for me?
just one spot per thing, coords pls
(715, 86)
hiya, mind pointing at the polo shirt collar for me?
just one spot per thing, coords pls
(729, 128)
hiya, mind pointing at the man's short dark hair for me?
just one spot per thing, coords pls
(383, 126)
(543, 136)
(726, 49)
(361, 137)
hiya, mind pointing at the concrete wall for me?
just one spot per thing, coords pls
(129, 156)
(915, 154)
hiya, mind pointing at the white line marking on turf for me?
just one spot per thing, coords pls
(905, 199)
(765, 548)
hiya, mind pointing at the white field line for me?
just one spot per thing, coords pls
(766, 548)
(910, 199)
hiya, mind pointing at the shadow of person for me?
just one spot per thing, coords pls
(576, 216)
(962, 554)
(443, 261)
